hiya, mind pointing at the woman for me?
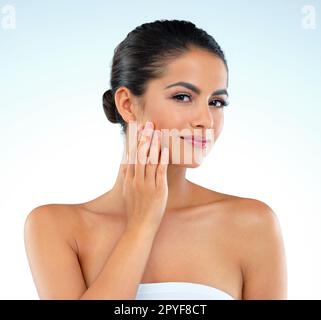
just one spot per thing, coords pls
(155, 234)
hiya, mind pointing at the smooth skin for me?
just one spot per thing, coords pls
(142, 231)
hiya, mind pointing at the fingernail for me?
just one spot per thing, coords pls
(147, 131)
(149, 124)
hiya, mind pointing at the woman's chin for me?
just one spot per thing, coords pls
(188, 157)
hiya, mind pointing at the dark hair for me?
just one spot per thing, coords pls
(144, 53)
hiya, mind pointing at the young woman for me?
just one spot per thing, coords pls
(155, 234)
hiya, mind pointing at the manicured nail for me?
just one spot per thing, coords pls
(149, 124)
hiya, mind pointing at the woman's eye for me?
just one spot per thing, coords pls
(181, 95)
(221, 103)
(217, 103)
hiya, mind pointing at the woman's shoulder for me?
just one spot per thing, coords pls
(247, 208)
(58, 219)
(53, 212)
(70, 219)
(251, 222)
(250, 211)
(243, 213)
(256, 233)
(245, 205)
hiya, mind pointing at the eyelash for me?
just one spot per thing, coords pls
(223, 102)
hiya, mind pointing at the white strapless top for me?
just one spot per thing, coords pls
(179, 291)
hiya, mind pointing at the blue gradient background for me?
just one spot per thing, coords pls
(57, 146)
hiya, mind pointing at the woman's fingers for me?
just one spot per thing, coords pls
(130, 156)
(142, 151)
(129, 171)
(147, 192)
(153, 158)
(161, 173)
(147, 162)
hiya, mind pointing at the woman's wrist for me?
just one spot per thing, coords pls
(142, 229)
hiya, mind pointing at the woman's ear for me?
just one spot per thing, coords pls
(125, 104)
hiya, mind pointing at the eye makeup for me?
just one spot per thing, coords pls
(223, 102)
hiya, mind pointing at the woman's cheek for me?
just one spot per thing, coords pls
(218, 126)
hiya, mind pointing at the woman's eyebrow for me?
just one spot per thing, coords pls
(196, 89)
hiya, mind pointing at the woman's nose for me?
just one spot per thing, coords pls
(203, 118)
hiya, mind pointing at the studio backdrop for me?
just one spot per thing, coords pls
(58, 147)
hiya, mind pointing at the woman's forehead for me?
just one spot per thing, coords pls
(195, 66)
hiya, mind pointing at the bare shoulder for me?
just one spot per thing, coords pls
(241, 218)
(251, 219)
(52, 252)
(251, 212)
(58, 218)
(58, 213)
(255, 218)
(244, 213)
(70, 222)
(260, 247)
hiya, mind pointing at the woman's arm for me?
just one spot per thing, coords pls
(264, 262)
(55, 267)
(53, 262)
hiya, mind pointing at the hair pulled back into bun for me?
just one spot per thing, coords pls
(110, 108)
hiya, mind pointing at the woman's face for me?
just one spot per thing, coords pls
(199, 114)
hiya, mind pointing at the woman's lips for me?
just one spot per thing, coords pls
(201, 143)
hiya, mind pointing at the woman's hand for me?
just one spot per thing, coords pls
(145, 186)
